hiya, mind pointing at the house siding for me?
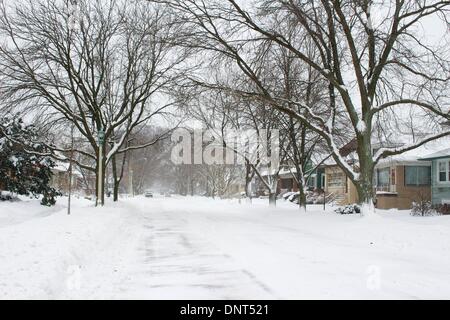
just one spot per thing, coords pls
(440, 191)
(404, 195)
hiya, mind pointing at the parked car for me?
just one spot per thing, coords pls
(287, 195)
(148, 194)
(293, 197)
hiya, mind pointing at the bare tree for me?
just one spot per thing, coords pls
(293, 80)
(228, 115)
(106, 69)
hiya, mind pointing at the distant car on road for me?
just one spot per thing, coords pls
(148, 194)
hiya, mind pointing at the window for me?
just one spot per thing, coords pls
(443, 171)
(336, 180)
(383, 177)
(417, 176)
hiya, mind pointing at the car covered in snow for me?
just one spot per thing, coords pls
(287, 195)
(148, 194)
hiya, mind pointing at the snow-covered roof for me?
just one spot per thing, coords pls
(329, 162)
(440, 154)
(433, 149)
(417, 155)
(283, 171)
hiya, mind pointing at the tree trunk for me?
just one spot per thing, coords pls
(248, 180)
(273, 199)
(115, 178)
(118, 177)
(364, 185)
(365, 193)
(116, 191)
(301, 197)
(248, 191)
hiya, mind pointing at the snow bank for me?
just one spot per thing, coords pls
(27, 208)
(46, 254)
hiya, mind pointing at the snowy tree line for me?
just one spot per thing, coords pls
(103, 72)
(324, 73)
(348, 71)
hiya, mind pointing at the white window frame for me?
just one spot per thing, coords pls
(447, 171)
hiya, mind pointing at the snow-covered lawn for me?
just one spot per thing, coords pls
(197, 248)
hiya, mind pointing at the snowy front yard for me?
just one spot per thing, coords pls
(196, 248)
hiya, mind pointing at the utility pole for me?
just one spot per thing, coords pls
(70, 171)
(101, 140)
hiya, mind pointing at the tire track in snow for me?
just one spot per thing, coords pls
(177, 263)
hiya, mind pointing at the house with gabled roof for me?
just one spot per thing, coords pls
(410, 177)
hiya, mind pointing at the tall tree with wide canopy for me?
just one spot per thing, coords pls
(101, 66)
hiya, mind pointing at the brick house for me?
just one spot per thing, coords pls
(400, 182)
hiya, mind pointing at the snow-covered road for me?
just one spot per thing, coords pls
(175, 261)
(196, 248)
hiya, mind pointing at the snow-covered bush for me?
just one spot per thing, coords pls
(24, 169)
(314, 197)
(8, 196)
(422, 208)
(350, 209)
(5, 196)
